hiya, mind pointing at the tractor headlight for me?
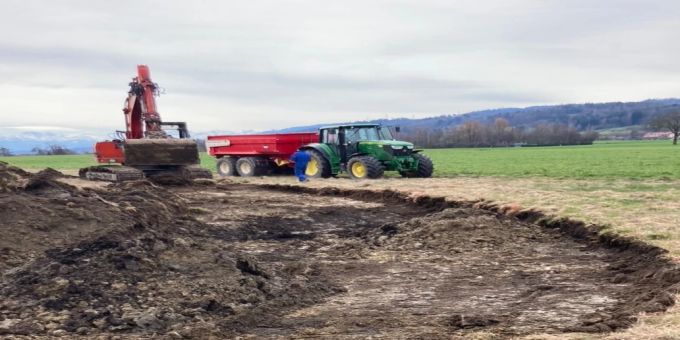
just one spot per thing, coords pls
(399, 150)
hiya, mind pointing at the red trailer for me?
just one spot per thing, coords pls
(256, 155)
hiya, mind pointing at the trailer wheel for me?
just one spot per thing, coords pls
(318, 166)
(363, 167)
(247, 166)
(226, 166)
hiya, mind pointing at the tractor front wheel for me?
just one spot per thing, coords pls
(424, 169)
(362, 167)
(226, 166)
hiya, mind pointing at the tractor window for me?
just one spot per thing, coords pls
(385, 133)
(329, 136)
(363, 133)
(333, 138)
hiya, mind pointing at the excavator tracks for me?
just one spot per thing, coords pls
(196, 172)
(111, 173)
(119, 173)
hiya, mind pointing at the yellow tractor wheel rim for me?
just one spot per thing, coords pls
(312, 167)
(358, 170)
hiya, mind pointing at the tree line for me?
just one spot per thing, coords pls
(497, 134)
(53, 150)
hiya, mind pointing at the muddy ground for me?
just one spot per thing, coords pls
(228, 260)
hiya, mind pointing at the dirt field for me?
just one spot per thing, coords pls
(236, 259)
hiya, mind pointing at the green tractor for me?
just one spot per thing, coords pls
(364, 151)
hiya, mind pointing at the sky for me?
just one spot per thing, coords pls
(257, 65)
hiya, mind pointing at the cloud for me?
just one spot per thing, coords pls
(268, 64)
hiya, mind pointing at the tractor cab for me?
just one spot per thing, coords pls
(350, 140)
(355, 133)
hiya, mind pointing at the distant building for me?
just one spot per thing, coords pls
(658, 135)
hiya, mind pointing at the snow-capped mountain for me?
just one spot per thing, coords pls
(22, 139)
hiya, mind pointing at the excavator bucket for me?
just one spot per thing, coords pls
(154, 152)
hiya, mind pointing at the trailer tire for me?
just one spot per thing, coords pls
(226, 166)
(424, 169)
(363, 167)
(247, 166)
(318, 166)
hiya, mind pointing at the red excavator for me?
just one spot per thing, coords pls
(148, 146)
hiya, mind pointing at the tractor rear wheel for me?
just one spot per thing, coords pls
(226, 166)
(318, 166)
(362, 167)
(424, 169)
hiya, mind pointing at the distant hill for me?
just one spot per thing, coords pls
(583, 117)
(610, 118)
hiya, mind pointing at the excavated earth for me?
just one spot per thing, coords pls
(207, 260)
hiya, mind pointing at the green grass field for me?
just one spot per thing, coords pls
(629, 159)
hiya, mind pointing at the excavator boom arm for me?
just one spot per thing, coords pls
(141, 116)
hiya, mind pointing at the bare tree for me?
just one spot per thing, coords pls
(668, 121)
(471, 132)
(39, 151)
(502, 132)
(5, 152)
(53, 150)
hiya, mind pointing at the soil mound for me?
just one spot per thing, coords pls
(47, 179)
(16, 179)
(12, 178)
(129, 259)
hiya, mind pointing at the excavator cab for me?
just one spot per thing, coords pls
(179, 127)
